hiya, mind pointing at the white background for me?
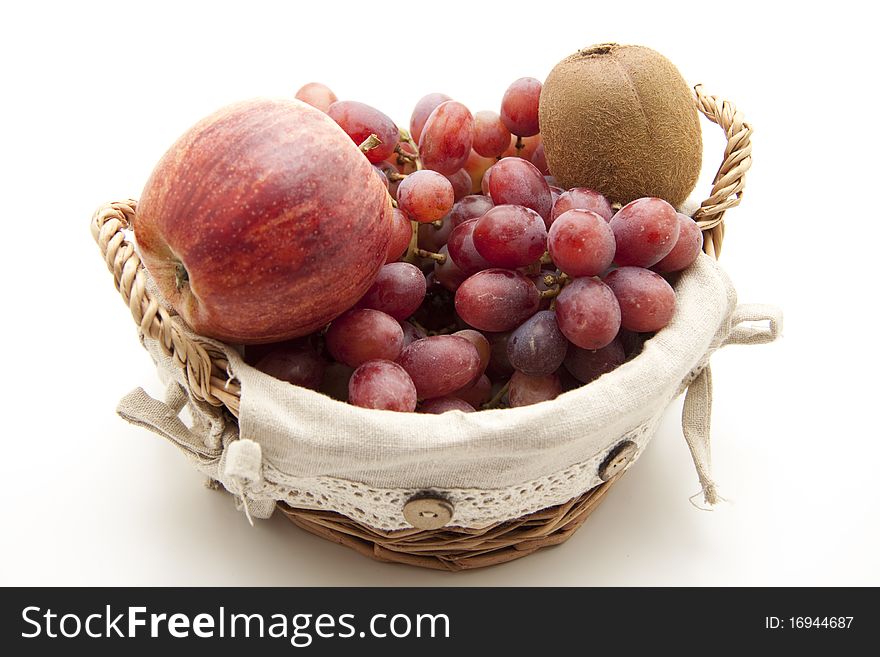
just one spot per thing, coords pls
(92, 95)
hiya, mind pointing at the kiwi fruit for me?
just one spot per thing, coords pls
(621, 120)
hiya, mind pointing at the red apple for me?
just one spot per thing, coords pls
(263, 222)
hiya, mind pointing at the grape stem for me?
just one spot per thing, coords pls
(438, 257)
(394, 176)
(417, 325)
(533, 269)
(417, 161)
(415, 158)
(438, 224)
(551, 293)
(560, 279)
(410, 256)
(369, 143)
(520, 144)
(496, 400)
(546, 259)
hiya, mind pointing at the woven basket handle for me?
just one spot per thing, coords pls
(727, 188)
(204, 364)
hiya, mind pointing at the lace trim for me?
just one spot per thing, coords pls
(475, 508)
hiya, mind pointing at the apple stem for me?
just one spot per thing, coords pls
(438, 257)
(496, 400)
(181, 276)
(369, 143)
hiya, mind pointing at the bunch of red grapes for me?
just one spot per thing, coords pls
(499, 288)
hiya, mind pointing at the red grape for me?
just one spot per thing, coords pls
(433, 238)
(440, 364)
(398, 290)
(499, 363)
(686, 249)
(360, 121)
(525, 390)
(476, 166)
(647, 301)
(491, 136)
(401, 233)
(461, 183)
(317, 95)
(336, 378)
(496, 299)
(254, 352)
(462, 250)
(588, 313)
(446, 139)
(539, 159)
(480, 342)
(448, 274)
(581, 198)
(566, 380)
(422, 111)
(484, 184)
(296, 364)
(425, 196)
(383, 385)
(528, 146)
(581, 243)
(442, 404)
(537, 347)
(477, 394)
(364, 334)
(519, 107)
(632, 342)
(589, 364)
(645, 231)
(510, 236)
(381, 176)
(411, 333)
(470, 207)
(515, 181)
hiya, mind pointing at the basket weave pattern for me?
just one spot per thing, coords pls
(449, 548)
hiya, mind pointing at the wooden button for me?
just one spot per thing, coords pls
(427, 512)
(617, 460)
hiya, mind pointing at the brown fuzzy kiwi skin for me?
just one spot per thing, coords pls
(621, 120)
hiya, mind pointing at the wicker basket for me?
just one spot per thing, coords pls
(447, 548)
